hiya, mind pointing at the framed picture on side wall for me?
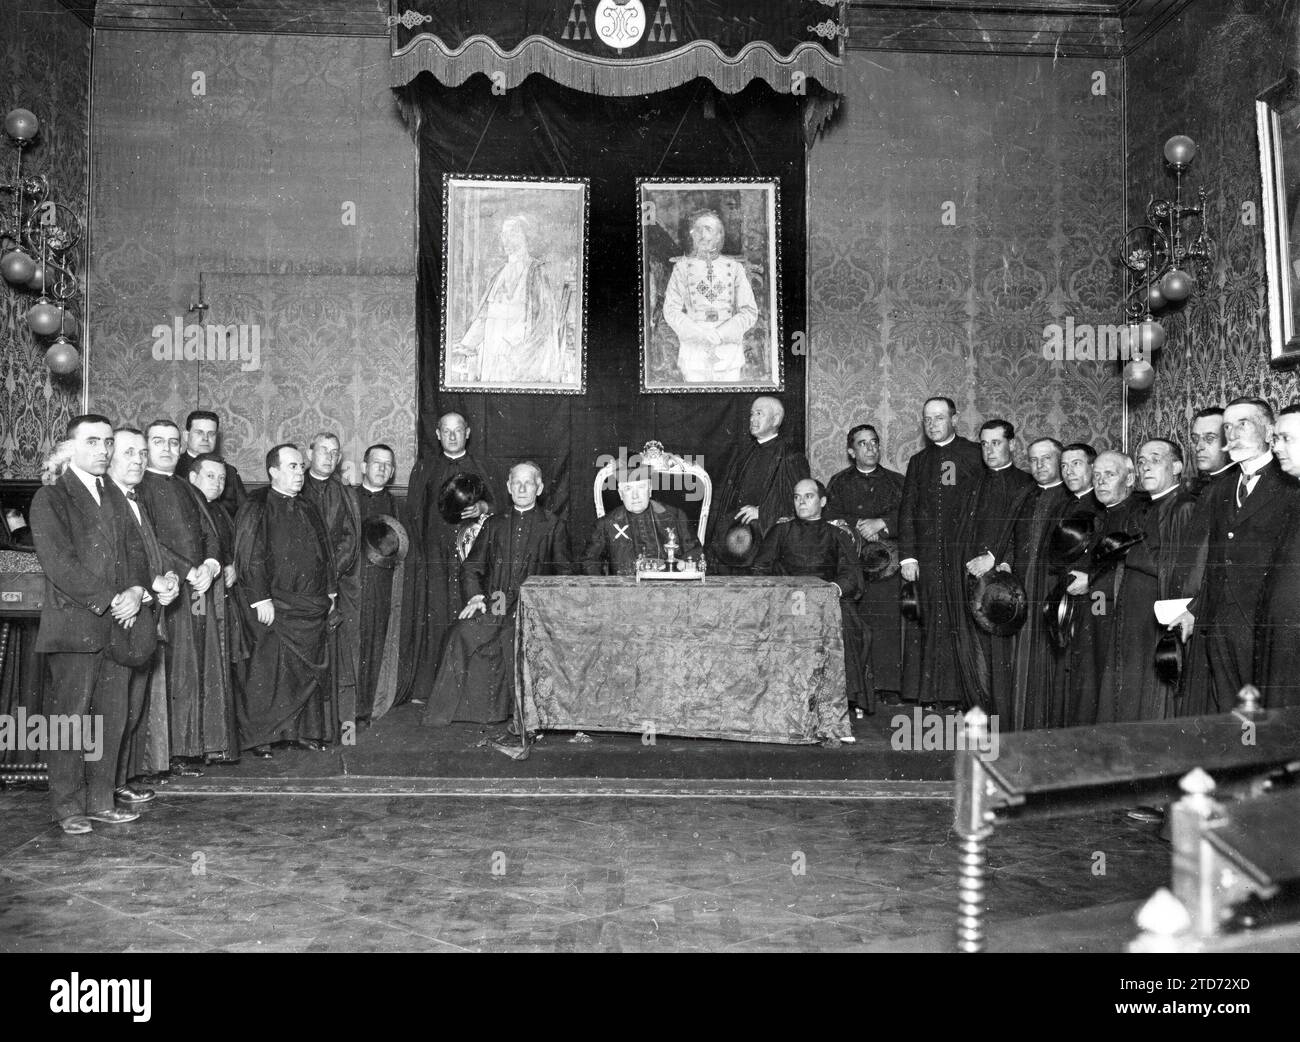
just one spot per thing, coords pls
(514, 285)
(710, 267)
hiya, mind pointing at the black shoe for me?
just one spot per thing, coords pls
(114, 816)
(131, 795)
(262, 752)
(181, 769)
(310, 743)
(75, 824)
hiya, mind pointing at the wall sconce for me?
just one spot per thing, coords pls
(37, 240)
(1160, 257)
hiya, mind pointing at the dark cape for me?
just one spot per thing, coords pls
(1130, 689)
(282, 552)
(432, 596)
(476, 681)
(376, 603)
(620, 537)
(337, 504)
(852, 496)
(195, 660)
(825, 550)
(762, 476)
(988, 661)
(1276, 666)
(1238, 544)
(937, 490)
(1036, 659)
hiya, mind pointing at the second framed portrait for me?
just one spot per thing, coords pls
(710, 255)
(514, 285)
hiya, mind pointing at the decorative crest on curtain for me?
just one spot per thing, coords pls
(619, 48)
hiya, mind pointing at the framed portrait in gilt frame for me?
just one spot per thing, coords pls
(514, 285)
(1277, 119)
(710, 269)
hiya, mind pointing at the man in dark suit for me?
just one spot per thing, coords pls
(1277, 652)
(202, 431)
(97, 574)
(1245, 517)
(638, 528)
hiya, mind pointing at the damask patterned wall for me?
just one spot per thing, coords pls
(903, 306)
(279, 167)
(1199, 76)
(44, 67)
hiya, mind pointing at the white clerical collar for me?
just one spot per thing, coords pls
(1003, 467)
(86, 479)
(285, 495)
(1080, 495)
(1251, 467)
(1227, 466)
(951, 439)
(1161, 495)
(524, 510)
(369, 487)
(457, 456)
(160, 473)
(312, 474)
(1052, 485)
(871, 471)
(764, 441)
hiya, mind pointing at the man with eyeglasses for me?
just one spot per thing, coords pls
(1246, 510)
(1209, 448)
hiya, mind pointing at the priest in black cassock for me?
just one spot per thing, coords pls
(639, 528)
(1276, 669)
(286, 567)
(866, 497)
(476, 681)
(1130, 688)
(1097, 581)
(1209, 448)
(432, 597)
(202, 432)
(337, 504)
(1245, 518)
(378, 466)
(810, 545)
(937, 488)
(988, 661)
(194, 659)
(1036, 659)
(759, 480)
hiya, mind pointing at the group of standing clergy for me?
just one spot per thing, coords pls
(200, 622)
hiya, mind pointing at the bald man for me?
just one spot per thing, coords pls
(759, 482)
(476, 681)
(432, 590)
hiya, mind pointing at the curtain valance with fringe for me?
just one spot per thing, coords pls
(665, 43)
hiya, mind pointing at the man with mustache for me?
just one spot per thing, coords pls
(940, 481)
(1245, 517)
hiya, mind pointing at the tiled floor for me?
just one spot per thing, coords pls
(381, 873)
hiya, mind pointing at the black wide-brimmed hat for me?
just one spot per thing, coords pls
(879, 559)
(1060, 614)
(457, 493)
(385, 540)
(1169, 657)
(1114, 545)
(1069, 538)
(909, 601)
(998, 603)
(739, 545)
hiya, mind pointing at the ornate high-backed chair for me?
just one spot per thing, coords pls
(690, 476)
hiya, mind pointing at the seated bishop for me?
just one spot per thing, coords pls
(811, 545)
(641, 527)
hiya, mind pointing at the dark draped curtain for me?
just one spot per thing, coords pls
(544, 129)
